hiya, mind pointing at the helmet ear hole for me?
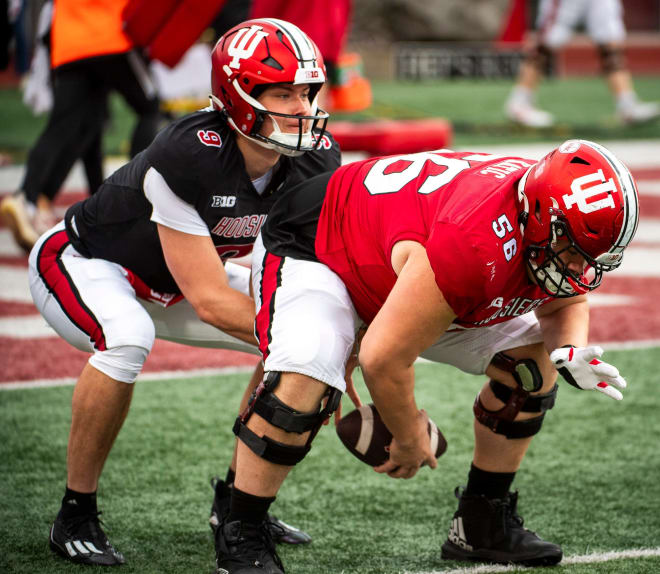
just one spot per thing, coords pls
(537, 211)
(590, 229)
(227, 98)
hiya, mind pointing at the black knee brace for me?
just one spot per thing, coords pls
(270, 408)
(528, 378)
(612, 58)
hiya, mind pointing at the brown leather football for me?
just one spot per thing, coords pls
(365, 435)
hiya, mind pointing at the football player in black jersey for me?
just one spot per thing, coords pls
(148, 255)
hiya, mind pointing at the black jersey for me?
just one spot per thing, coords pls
(199, 159)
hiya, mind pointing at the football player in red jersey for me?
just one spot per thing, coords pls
(149, 255)
(473, 260)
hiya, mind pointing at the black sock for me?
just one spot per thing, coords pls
(231, 475)
(247, 507)
(490, 484)
(77, 503)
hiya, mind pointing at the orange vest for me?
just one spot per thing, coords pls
(87, 28)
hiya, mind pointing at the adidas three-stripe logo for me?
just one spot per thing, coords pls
(81, 547)
(457, 534)
(75, 547)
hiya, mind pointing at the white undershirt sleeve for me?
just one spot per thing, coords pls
(169, 209)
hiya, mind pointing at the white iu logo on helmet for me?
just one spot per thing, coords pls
(244, 43)
(581, 194)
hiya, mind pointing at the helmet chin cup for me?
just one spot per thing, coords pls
(292, 143)
(551, 273)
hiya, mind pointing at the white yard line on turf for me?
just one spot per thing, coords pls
(596, 558)
(69, 381)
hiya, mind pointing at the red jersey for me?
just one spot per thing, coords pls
(461, 206)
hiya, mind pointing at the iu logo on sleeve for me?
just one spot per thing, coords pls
(585, 197)
(209, 138)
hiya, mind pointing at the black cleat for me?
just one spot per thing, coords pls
(485, 530)
(280, 531)
(80, 539)
(243, 548)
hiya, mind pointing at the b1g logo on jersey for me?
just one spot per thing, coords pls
(223, 201)
(583, 196)
(209, 138)
(243, 45)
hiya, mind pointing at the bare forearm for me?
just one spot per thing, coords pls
(232, 312)
(395, 400)
(568, 325)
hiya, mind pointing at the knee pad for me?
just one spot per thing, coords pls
(612, 58)
(120, 363)
(502, 421)
(528, 379)
(270, 408)
(543, 58)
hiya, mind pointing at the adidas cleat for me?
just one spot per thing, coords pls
(81, 540)
(280, 531)
(485, 530)
(244, 548)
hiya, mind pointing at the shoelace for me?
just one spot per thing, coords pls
(261, 544)
(86, 526)
(510, 510)
(267, 538)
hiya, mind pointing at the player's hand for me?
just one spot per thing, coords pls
(406, 459)
(580, 367)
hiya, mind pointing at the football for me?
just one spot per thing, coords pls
(365, 435)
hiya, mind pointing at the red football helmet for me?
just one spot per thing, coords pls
(583, 194)
(257, 54)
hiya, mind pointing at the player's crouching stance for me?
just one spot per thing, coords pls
(144, 257)
(443, 255)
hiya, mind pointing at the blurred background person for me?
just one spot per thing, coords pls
(91, 55)
(556, 22)
(38, 96)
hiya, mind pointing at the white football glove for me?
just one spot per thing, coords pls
(580, 368)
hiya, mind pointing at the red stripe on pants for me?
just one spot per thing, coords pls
(270, 280)
(59, 283)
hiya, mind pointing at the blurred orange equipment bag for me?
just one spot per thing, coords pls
(167, 28)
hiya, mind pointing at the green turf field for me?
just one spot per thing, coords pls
(583, 108)
(589, 482)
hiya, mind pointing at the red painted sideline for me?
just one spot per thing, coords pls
(629, 322)
(646, 173)
(54, 358)
(15, 309)
(649, 206)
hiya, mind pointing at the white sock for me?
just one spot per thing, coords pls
(626, 99)
(521, 95)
